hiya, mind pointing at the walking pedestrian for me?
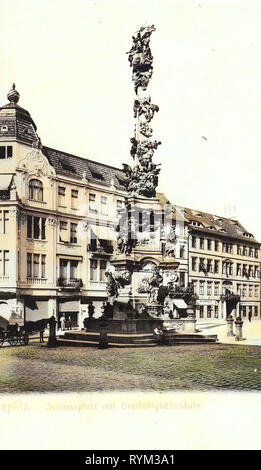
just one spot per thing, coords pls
(250, 315)
(42, 335)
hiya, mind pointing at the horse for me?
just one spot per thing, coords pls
(31, 327)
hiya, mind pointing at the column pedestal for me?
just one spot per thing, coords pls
(230, 322)
(52, 341)
(239, 333)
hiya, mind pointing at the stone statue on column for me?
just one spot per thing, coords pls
(142, 179)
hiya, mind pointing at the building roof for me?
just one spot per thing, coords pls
(223, 226)
(76, 167)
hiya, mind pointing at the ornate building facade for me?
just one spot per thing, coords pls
(57, 217)
(224, 266)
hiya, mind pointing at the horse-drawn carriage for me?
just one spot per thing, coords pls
(13, 336)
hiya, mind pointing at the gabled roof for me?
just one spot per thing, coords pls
(76, 167)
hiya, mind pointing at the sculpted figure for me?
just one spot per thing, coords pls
(170, 243)
(123, 278)
(143, 286)
(134, 146)
(141, 79)
(173, 280)
(126, 242)
(169, 306)
(145, 107)
(145, 129)
(111, 287)
(154, 283)
(140, 53)
(146, 146)
(37, 143)
(121, 243)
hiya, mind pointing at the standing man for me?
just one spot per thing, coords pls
(91, 310)
(250, 314)
(62, 320)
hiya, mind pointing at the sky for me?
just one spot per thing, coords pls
(68, 60)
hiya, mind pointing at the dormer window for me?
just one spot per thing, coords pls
(97, 175)
(28, 131)
(121, 181)
(6, 151)
(36, 190)
(66, 165)
(249, 235)
(196, 224)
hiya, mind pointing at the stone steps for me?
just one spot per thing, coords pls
(89, 338)
(82, 334)
(76, 342)
(190, 339)
(84, 343)
(113, 338)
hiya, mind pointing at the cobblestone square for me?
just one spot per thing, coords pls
(36, 368)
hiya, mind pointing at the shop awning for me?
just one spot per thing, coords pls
(69, 306)
(7, 295)
(35, 309)
(180, 303)
(100, 239)
(5, 181)
(35, 304)
(101, 232)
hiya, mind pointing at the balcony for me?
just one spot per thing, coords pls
(35, 203)
(230, 297)
(36, 281)
(72, 283)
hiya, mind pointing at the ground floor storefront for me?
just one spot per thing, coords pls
(218, 309)
(25, 308)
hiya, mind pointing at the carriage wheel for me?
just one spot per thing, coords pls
(12, 341)
(25, 339)
(20, 340)
(2, 340)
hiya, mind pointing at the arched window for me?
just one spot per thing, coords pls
(36, 190)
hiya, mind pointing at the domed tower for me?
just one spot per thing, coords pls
(24, 172)
(15, 121)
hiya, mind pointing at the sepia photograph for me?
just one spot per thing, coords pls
(130, 239)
